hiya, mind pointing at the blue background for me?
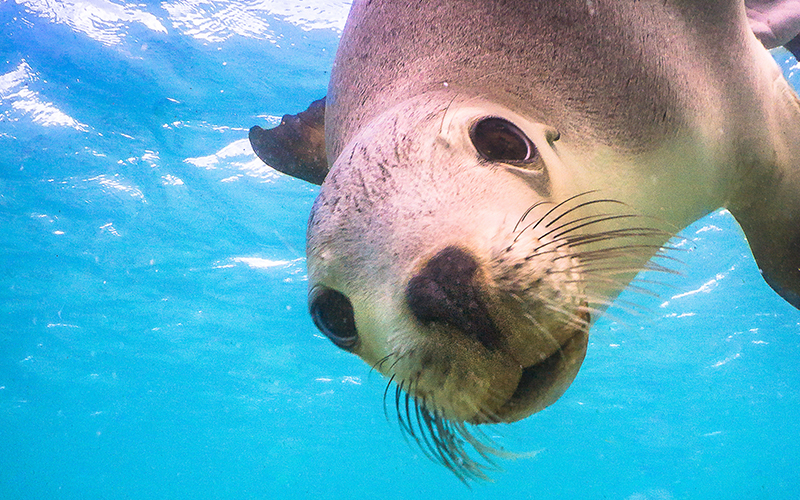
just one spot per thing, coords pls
(154, 339)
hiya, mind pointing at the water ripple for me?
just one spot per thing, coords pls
(102, 20)
(17, 100)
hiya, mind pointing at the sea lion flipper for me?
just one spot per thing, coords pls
(775, 23)
(296, 147)
(793, 46)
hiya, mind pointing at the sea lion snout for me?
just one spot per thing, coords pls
(445, 290)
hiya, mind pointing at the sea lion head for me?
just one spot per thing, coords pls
(449, 248)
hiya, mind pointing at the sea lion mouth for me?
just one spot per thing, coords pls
(542, 383)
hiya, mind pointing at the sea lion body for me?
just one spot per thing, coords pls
(499, 172)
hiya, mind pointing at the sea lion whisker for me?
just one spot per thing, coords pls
(627, 305)
(486, 451)
(598, 311)
(426, 441)
(572, 319)
(536, 252)
(450, 451)
(408, 428)
(406, 425)
(643, 290)
(613, 234)
(610, 260)
(487, 415)
(396, 361)
(613, 263)
(610, 315)
(618, 251)
(596, 221)
(586, 308)
(633, 309)
(404, 419)
(596, 268)
(554, 306)
(582, 205)
(659, 268)
(430, 443)
(562, 203)
(537, 325)
(661, 284)
(638, 231)
(440, 439)
(398, 392)
(652, 249)
(385, 393)
(379, 364)
(598, 217)
(528, 211)
(547, 302)
(444, 114)
(448, 447)
(598, 306)
(608, 270)
(614, 284)
(543, 330)
(578, 323)
(535, 224)
(431, 436)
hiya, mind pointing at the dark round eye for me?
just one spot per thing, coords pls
(497, 139)
(332, 312)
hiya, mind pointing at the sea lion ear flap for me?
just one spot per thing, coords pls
(296, 147)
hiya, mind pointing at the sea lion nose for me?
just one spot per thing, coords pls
(445, 291)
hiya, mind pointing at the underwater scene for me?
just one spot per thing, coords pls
(155, 340)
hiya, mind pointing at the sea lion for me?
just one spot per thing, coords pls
(500, 171)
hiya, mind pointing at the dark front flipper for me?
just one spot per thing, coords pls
(296, 147)
(776, 23)
(794, 47)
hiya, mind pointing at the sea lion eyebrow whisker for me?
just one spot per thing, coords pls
(444, 114)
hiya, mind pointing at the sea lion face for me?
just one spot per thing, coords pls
(438, 254)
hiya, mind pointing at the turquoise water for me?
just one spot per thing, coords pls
(154, 340)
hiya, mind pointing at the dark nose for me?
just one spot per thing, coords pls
(444, 291)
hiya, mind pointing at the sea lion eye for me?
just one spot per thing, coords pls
(332, 313)
(497, 139)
